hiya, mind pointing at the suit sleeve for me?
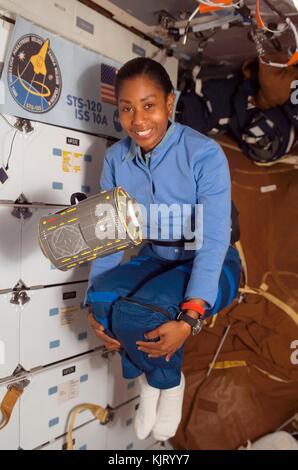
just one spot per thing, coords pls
(214, 193)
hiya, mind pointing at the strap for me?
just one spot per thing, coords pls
(189, 320)
(8, 403)
(232, 364)
(239, 248)
(272, 377)
(100, 413)
(192, 305)
(229, 364)
(263, 289)
(273, 299)
(179, 243)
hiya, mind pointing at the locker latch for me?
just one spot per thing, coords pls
(21, 209)
(14, 392)
(19, 294)
(22, 383)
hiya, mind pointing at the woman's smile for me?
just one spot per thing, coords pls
(144, 134)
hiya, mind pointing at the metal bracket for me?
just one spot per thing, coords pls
(23, 125)
(19, 294)
(21, 212)
(19, 384)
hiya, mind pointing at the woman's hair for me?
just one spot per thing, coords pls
(144, 66)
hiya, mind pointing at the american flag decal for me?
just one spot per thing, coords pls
(107, 87)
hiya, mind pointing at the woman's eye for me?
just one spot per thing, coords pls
(126, 109)
(149, 105)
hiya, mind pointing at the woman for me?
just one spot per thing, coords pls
(135, 305)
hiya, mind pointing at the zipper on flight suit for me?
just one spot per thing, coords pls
(144, 164)
(154, 308)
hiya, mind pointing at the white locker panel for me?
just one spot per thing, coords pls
(10, 434)
(10, 248)
(66, 162)
(57, 391)
(120, 390)
(11, 155)
(36, 269)
(120, 431)
(5, 29)
(90, 436)
(120, 48)
(59, 15)
(55, 317)
(9, 335)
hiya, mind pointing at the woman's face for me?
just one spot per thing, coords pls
(144, 110)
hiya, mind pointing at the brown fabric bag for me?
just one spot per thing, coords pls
(275, 83)
(231, 407)
(253, 388)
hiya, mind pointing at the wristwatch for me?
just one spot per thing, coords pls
(196, 325)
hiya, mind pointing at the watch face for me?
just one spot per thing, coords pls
(196, 329)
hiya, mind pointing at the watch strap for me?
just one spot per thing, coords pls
(183, 316)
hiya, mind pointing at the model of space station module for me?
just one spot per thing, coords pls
(95, 227)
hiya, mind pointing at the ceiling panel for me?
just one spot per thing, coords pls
(149, 11)
(226, 46)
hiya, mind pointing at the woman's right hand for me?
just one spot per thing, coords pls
(110, 343)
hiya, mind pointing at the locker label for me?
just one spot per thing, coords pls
(69, 295)
(67, 315)
(72, 141)
(68, 391)
(69, 370)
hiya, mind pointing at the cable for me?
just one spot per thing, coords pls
(211, 3)
(259, 37)
(261, 23)
(227, 4)
(189, 24)
(7, 121)
(10, 151)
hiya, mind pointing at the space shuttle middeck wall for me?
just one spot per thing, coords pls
(118, 435)
(81, 25)
(44, 323)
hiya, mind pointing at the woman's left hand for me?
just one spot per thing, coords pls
(172, 336)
